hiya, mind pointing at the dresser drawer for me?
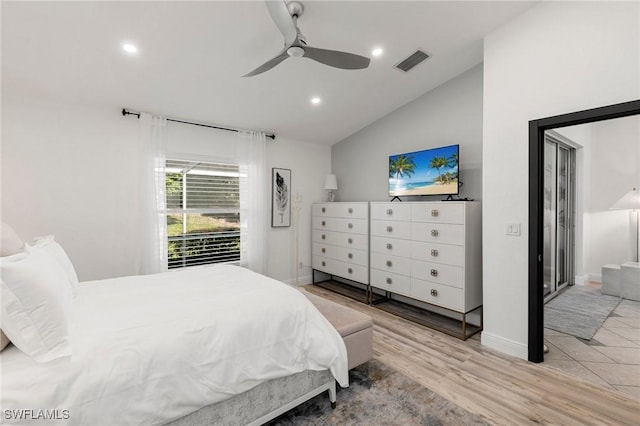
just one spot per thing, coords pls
(392, 246)
(447, 254)
(355, 241)
(392, 229)
(437, 294)
(349, 210)
(391, 211)
(344, 254)
(438, 233)
(438, 273)
(353, 272)
(395, 264)
(388, 281)
(339, 224)
(447, 212)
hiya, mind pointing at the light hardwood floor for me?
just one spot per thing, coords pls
(503, 390)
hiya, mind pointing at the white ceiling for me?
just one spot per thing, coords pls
(192, 56)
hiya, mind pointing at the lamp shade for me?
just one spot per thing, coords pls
(331, 182)
(629, 201)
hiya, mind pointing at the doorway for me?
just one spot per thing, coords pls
(559, 216)
(537, 129)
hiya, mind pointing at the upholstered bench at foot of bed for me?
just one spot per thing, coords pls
(355, 328)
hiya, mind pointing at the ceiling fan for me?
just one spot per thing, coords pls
(286, 15)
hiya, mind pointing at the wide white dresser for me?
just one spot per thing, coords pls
(340, 238)
(429, 252)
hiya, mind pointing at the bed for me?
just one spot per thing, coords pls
(195, 346)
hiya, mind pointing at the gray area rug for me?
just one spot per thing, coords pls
(379, 395)
(579, 311)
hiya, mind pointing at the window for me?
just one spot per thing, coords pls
(203, 213)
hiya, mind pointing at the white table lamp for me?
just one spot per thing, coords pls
(630, 201)
(331, 184)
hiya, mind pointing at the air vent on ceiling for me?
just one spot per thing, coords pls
(413, 60)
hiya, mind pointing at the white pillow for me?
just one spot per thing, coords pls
(56, 251)
(10, 242)
(37, 304)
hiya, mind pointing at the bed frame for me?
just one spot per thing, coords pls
(264, 402)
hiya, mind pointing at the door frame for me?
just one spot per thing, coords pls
(536, 207)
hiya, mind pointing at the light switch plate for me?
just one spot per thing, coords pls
(513, 229)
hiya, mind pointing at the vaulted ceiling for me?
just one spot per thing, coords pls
(192, 55)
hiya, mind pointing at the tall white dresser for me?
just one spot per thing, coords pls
(340, 238)
(429, 252)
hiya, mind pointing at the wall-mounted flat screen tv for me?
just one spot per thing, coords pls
(427, 172)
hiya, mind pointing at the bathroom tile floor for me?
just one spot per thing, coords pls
(611, 358)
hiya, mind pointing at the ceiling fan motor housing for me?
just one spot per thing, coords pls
(295, 51)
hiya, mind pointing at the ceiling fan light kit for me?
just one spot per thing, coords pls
(285, 15)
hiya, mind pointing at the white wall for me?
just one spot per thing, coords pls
(309, 164)
(614, 171)
(607, 167)
(450, 114)
(557, 57)
(73, 171)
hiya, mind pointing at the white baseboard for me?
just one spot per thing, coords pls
(581, 279)
(595, 277)
(507, 346)
(302, 280)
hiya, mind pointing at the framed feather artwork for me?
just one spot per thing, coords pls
(280, 197)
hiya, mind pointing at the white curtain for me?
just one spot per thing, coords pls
(153, 139)
(254, 199)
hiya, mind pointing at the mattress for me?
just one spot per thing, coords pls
(151, 349)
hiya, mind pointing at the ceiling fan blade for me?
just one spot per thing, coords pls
(334, 58)
(269, 64)
(280, 15)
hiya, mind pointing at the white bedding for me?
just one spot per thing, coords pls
(150, 349)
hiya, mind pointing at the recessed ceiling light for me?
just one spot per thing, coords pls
(377, 51)
(315, 100)
(129, 48)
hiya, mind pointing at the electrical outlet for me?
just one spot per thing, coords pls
(513, 229)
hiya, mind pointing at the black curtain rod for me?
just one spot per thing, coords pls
(137, 114)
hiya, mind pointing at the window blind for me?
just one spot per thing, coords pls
(203, 212)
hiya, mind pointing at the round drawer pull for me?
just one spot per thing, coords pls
(324, 250)
(323, 223)
(324, 237)
(324, 210)
(324, 263)
(434, 292)
(434, 272)
(389, 212)
(434, 233)
(350, 271)
(350, 241)
(350, 255)
(389, 228)
(350, 210)
(389, 246)
(350, 226)
(389, 281)
(389, 263)
(435, 213)
(434, 252)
